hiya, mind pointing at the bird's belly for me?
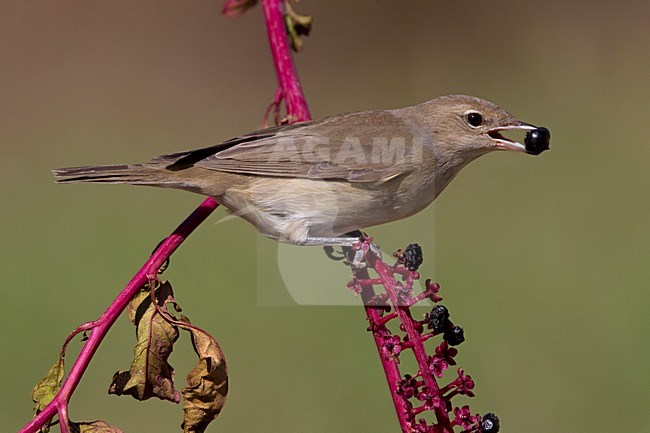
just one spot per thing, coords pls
(282, 207)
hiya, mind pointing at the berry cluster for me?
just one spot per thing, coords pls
(420, 393)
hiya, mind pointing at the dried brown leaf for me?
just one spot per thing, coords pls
(296, 25)
(97, 426)
(207, 383)
(150, 374)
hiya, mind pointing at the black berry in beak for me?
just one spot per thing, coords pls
(537, 140)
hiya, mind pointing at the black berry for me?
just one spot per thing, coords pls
(537, 140)
(490, 423)
(412, 257)
(438, 319)
(454, 335)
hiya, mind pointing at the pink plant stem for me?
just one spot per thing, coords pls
(64, 422)
(385, 272)
(297, 110)
(391, 369)
(148, 271)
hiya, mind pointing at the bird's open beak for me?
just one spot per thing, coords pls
(503, 143)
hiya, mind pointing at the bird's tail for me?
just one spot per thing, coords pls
(136, 174)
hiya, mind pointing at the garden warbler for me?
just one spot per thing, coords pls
(311, 183)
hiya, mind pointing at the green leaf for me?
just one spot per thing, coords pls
(93, 427)
(46, 389)
(150, 374)
(207, 383)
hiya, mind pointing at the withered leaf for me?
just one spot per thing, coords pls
(46, 389)
(93, 427)
(207, 383)
(296, 25)
(150, 374)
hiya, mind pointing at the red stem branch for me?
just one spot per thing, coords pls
(296, 107)
(60, 402)
(391, 368)
(288, 82)
(386, 274)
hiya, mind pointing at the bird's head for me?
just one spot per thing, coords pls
(469, 127)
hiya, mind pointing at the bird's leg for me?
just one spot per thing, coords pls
(335, 241)
(329, 249)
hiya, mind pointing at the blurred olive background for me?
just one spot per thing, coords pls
(544, 261)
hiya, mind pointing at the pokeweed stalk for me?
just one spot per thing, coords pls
(396, 332)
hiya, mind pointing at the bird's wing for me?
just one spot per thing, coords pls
(371, 147)
(181, 160)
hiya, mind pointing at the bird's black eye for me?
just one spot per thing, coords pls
(474, 119)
